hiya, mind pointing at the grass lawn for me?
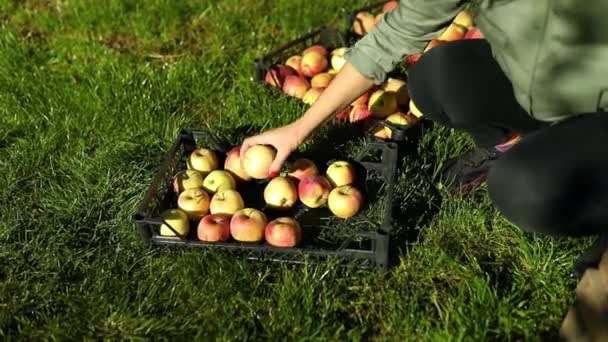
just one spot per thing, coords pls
(93, 93)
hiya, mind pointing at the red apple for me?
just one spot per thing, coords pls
(233, 165)
(303, 168)
(296, 86)
(280, 193)
(283, 232)
(317, 48)
(214, 228)
(295, 62)
(247, 225)
(474, 33)
(343, 115)
(345, 201)
(389, 6)
(187, 179)
(362, 100)
(194, 202)
(313, 63)
(359, 113)
(340, 173)
(411, 59)
(276, 75)
(313, 191)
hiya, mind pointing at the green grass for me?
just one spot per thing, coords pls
(92, 94)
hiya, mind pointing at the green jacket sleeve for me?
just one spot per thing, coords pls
(404, 31)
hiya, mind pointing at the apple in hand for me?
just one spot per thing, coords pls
(218, 180)
(345, 201)
(187, 179)
(313, 191)
(176, 219)
(302, 168)
(258, 160)
(283, 232)
(247, 225)
(214, 228)
(203, 160)
(194, 202)
(233, 165)
(276, 75)
(340, 173)
(280, 193)
(226, 202)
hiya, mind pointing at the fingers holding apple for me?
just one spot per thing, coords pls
(258, 160)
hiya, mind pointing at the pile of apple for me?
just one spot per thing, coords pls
(209, 198)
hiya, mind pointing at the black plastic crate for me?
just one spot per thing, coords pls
(327, 36)
(364, 242)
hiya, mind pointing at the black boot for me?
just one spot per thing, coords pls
(464, 173)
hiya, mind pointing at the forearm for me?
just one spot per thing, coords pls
(342, 91)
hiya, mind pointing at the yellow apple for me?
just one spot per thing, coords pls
(414, 110)
(340, 173)
(194, 202)
(203, 160)
(233, 165)
(187, 179)
(226, 202)
(399, 88)
(345, 201)
(258, 160)
(382, 104)
(397, 119)
(280, 193)
(247, 225)
(176, 219)
(337, 58)
(218, 180)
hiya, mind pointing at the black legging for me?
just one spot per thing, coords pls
(555, 180)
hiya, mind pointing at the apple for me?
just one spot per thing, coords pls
(312, 95)
(194, 202)
(176, 219)
(247, 225)
(453, 32)
(414, 110)
(381, 132)
(187, 179)
(340, 173)
(332, 72)
(474, 33)
(364, 22)
(218, 180)
(313, 191)
(280, 193)
(362, 100)
(343, 115)
(302, 168)
(337, 58)
(389, 6)
(295, 62)
(411, 59)
(345, 201)
(464, 18)
(432, 44)
(258, 160)
(382, 104)
(283, 232)
(313, 63)
(276, 75)
(359, 113)
(296, 86)
(397, 119)
(317, 48)
(203, 160)
(321, 80)
(399, 88)
(214, 228)
(226, 202)
(233, 165)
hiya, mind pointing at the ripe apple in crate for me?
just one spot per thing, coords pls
(226, 202)
(194, 202)
(316, 48)
(258, 159)
(474, 33)
(295, 62)
(343, 115)
(359, 113)
(399, 88)
(247, 225)
(337, 58)
(312, 95)
(187, 179)
(398, 119)
(414, 110)
(283, 232)
(313, 63)
(453, 32)
(464, 18)
(313, 191)
(276, 75)
(214, 228)
(218, 180)
(302, 168)
(296, 86)
(382, 104)
(345, 201)
(321, 80)
(233, 165)
(203, 160)
(340, 173)
(176, 219)
(280, 193)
